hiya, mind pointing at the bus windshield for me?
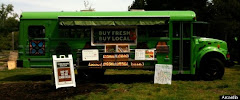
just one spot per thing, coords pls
(200, 29)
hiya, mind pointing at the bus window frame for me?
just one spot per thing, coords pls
(206, 34)
(44, 31)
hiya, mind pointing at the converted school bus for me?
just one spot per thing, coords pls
(123, 40)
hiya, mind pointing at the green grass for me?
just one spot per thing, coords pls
(229, 85)
(140, 90)
(24, 74)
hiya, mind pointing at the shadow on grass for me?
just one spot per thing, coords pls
(236, 67)
(37, 77)
(44, 91)
(128, 79)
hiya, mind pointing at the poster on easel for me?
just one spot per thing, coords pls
(144, 54)
(163, 74)
(63, 71)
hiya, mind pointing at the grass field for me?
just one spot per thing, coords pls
(121, 85)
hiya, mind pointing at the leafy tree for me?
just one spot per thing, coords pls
(138, 4)
(8, 19)
(8, 24)
(196, 5)
(4, 12)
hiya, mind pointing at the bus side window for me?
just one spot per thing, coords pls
(158, 30)
(83, 32)
(66, 32)
(200, 29)
(176, 29)
(181, 28)
(74, 32)
(36, 32)
(186, 30)
(141, 31)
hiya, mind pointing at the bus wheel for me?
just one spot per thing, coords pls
(212, 69)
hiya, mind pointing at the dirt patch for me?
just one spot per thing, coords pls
(43, 90)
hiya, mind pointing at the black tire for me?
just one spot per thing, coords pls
(212, 69)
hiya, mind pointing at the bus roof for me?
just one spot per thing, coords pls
(174, 15)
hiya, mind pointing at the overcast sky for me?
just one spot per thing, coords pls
(67, 5)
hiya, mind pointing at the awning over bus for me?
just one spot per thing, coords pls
(116, 21)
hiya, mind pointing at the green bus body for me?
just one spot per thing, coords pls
(186, 51)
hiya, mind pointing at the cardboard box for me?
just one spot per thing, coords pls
(12, 65)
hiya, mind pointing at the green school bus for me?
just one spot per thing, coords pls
(121, 40)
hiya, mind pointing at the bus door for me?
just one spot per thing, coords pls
(181, 46)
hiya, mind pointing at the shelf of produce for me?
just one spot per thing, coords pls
(95, 64)
(95, 67)
(155, 59)
(115, 59)
(126, 59)
(109, 59)
(115, 52)
(115, 67)
(115, 64)
(122, 59)
(137, 66)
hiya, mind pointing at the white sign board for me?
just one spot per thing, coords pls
(90, 55)
(144, 54)
(163, 74)
(64, 71)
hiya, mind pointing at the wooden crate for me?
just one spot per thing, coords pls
(109, 59)
(122, 59)
(12, 65)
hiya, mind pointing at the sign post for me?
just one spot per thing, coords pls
(64, 71)
(163, 74)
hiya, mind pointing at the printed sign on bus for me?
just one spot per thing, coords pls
(116, 35)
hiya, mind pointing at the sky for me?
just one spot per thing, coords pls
(67, 5)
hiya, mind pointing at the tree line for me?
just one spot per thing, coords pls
(223, 17)
(8, 24)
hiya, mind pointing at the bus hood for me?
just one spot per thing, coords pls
(213, 42)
